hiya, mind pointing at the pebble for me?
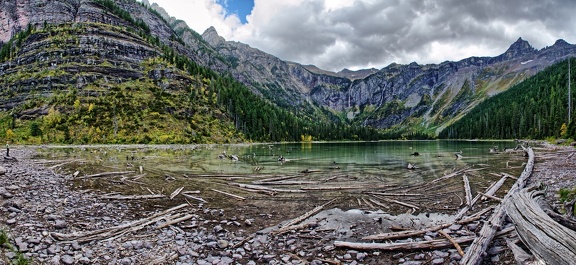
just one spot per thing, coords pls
(2, 170)
(495, 250)
(455, 256)
(438, 261)
(440, 254)
(67, 259)
(455, 227)
(222, 243)
(60, 224)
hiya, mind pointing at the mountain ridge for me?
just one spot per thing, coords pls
(376, 91)
(406, 98)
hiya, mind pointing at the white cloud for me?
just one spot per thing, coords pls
(336, 34)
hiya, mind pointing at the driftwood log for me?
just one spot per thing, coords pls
(476, 250)
(110, 232)
(428, 244)
(546, 239)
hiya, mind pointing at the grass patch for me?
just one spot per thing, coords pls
(19, 259)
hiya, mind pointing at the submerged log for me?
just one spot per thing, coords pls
(453, 174)
(476, 251)
(105, 174)
(546, 239)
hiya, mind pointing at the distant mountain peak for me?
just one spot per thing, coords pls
(519, 48)
(211, 36)
(561, 43)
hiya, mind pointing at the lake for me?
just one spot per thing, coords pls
(310, 173)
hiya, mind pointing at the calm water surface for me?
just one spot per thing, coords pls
(383, 160)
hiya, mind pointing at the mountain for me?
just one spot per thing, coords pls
(88, 64)
(413, 97)
(404, 98)
(104, 71)
(536, 108)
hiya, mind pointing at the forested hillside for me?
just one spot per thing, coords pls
(93, 82)
(535, 108)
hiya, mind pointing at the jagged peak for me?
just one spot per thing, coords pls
(210, 30)
(521, 45)
(561, 43)
(211, 36)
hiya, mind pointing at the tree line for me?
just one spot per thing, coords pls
(536, 108)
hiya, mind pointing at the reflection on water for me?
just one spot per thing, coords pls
(311, 173)
(387, 159)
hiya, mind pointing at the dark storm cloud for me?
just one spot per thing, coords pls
(377, 33)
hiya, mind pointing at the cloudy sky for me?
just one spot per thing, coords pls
(356, 34)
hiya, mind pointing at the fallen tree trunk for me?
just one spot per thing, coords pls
(490, 191)
(476, 251)
(109, 232)
(546, 239)
(429, 244)
(105, 174)
(133, 197)
(409, 233)
(467, 190)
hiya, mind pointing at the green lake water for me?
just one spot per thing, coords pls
(384, 159)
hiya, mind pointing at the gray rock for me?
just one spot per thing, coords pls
(34, 240)
(495, 259)
(11, 221)
(455, 227)
(218, 229)
(55, 260)
(361, 256)
(420, 256)
(84, 260)
(440, 254)
(347, 256)
(22, 246)
(438, 261)
(67, 259)
(455, 256)
(2, 170)
(472, 226)
(53, 249)
(10, 255)
(222, 243)
(76, 246)
(60, 224)
(495, 250)
(125, 261)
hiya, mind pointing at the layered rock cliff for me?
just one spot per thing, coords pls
(419, 97)
(413, 97)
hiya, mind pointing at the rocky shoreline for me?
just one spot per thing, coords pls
(36, 204)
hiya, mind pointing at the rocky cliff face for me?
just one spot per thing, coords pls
(425, 96)
(406, 96)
